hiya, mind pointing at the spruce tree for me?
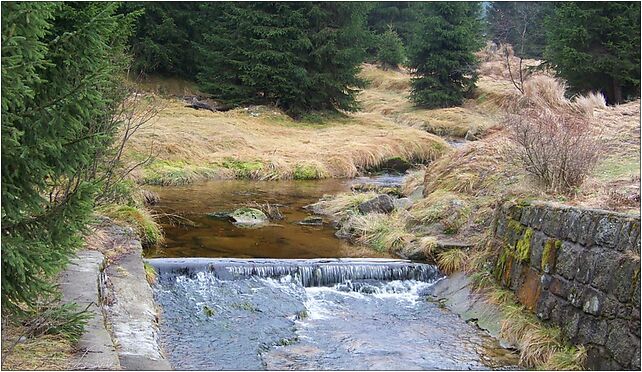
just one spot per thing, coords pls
(61, 65)
(299, 56)
(391, 52)
(442, 53)
(164, 36)
(337, 32)
(254, 52)
(400, 15)
(596, 46)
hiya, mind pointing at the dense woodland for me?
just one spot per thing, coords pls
(64, 67)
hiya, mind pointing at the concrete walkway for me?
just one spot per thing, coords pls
(80, 283)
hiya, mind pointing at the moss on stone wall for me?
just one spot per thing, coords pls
(523, 246)
(549, 254)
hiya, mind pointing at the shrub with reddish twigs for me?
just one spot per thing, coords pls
(552, 136)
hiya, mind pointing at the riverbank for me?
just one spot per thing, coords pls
(262, 143)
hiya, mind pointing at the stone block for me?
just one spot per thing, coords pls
(625, 275)
(570, 221)
(620, 343)
(500, 228)
(537, 248)
(585, 266)
(611, 307)
(635, 299)
(514, 211)
(527, 216)
(567, 260)
(549, 255)
(569, 323)
(635, 326)
(517, 274)
(551, 225)
(607, 232)
(605, 260)
(514, 232)
(593, 301)
(560, 286)
(635, 362)
(592, 330)
(628, 234)
(529, 292)
(600, 359)
(586, 228)
(545, 305)
(538, 216)
(545, 281)
(575, 295)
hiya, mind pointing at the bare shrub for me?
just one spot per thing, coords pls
(553, 138)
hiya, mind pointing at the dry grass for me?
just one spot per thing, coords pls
(615, 181)
(264, 143)
(341, 205)
(166, 86)
(387, 95)
(44, 352)
(413, 180)
(539, 345)
(452, 260)
(383, 232)
(477, 169)
(388, 80)
(442, 206)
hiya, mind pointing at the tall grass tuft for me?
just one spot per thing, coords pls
(341, 205)
(139, 218)
(451, 261)
(383, 232)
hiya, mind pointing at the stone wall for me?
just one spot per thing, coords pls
(578, 269)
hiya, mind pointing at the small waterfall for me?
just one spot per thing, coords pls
(308, 272)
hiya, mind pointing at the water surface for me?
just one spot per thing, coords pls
(246, 315)
(282, 239)
(233, 312)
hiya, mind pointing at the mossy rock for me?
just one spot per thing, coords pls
(523, 246)
(248, 217)
(549, 255)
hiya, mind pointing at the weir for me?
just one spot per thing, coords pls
(308, 272)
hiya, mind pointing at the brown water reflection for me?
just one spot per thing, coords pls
(216, 238)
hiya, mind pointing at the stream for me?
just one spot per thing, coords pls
(285, 296)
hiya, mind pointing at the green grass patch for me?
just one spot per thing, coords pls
(611, 169)
(139, 219)
(243, 169)
(307, 172)
(150, 273)
(176, 173)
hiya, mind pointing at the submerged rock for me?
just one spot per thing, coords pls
(380, 204)
(219, 215)
(394, 190)
(312, 221)
(248, 217)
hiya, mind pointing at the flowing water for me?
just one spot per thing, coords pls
(277, 297)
